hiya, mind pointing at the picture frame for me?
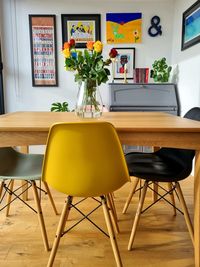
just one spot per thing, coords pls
(190, 26)
(125, 56)
(123, 28)
(43, 50)
(81, 27)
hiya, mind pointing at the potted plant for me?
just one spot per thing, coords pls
(161, 71)
(60, 107)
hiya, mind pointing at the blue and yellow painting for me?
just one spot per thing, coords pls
(123, 28)
(192, 26)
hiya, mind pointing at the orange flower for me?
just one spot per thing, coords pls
(66, 45)
(90, 45)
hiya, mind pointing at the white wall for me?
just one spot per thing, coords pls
(187, 62)
(19, 93)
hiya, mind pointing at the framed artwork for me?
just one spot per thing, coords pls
(123, 28)
(81, 27)
(125, 61)
(43, 50)
(191, 26)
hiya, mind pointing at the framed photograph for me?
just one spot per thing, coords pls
(81, 27)
(43, 50)
(191, 26)
(125, 61)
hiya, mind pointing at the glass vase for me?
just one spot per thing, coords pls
(89, 101)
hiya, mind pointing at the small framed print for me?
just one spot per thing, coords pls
(81, 27)
(43, 50)
(191, 26)
(125, 61)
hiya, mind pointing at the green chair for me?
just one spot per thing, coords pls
(22, 167)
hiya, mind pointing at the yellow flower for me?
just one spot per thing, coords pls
(98, 46)
(66, 52)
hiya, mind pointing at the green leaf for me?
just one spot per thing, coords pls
(159, 77)
(99, 65)
(59, 107)
(107, 71)
(88, 65)
(161, 70)
(169, 69)
(155, 78)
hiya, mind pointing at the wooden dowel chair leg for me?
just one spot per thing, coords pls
(111, 232)
(40, 216)
(135, 183)
(50, 197)
(170, 186)
(25, 150)
(25, 189)
(1, 187)
(155, 191)
(113, 213)
(113, 195)
(9, 197)
(60, 229)
(137, 216)
(113, 204)
(185, 211)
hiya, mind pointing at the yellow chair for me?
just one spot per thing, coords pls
(84, 159)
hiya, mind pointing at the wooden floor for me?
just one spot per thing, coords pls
(162, 239)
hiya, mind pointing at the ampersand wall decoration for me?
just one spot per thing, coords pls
(155, 28)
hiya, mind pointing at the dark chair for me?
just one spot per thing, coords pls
(165, 165)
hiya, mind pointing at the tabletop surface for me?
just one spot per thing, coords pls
(126, 121)
(154, 128)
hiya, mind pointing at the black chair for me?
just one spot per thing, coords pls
(165, 165)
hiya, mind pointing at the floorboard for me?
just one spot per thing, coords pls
(162, 240)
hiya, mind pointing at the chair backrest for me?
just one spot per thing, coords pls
(183, 156)
(8, 157)
(84, 159)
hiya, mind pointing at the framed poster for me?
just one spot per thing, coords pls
(43, 50)
(123, 28)
(81, 27)
(191, 26)
(125, 61)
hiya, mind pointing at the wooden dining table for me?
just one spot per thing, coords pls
(134, 128)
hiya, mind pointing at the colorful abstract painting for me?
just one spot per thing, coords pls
(124, 28)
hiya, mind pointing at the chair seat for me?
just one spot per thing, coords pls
(155, 167)
(20, 166)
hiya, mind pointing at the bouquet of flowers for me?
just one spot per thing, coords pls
(89, 65)
(90, 71)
